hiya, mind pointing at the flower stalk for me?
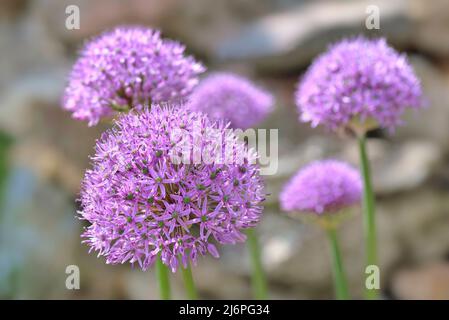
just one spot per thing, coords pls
(259, 282)
(163, 279)
(189, 284)
(369, 220)
(340, 282)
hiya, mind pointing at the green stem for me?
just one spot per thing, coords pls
(341, 287)
(258, 277)
(162, 276)
(189, 284)
(369, 220)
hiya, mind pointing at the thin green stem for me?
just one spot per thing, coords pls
(189, 284)
(259, 282)
(341, 286)
(162, 274)
(369, 219)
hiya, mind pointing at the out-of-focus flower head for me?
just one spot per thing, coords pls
(233, 98)
(322, 187)
(142, 198)
(358, 84)
(126, 67)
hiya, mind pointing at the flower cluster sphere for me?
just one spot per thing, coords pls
(322, 187)
(125, 67)
(233, 98)
(141, 204)
(358, 81)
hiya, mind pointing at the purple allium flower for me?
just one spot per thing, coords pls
(233, 98)
(358, 82)
(126, 67)
(141, 203)
(322, 187)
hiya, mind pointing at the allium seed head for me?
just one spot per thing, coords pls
(358, 83)
(126, 67)
(233, 98)
(141, 203)
(322, 187)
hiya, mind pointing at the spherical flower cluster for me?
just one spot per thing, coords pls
(233, 98)
(126, 67)
(358, 82)
(141, 203)
(322, 187)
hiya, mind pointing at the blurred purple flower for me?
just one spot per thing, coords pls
(139, 203)
(126, 67)
(358, 82)
(233, 98)
(322, 187)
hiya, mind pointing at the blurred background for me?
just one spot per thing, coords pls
(43, 152)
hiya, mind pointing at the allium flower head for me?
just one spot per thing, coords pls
(322, 187)
(358, 82)
(126, 67)
(233, 98)
(141, 203)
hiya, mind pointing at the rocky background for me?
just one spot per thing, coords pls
(43, 152)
